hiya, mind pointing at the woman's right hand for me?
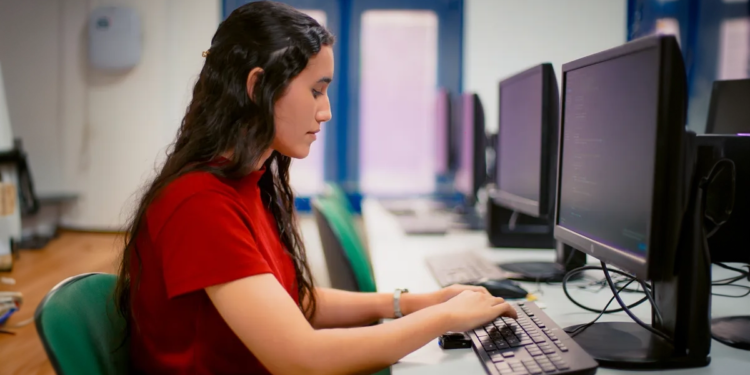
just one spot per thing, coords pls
(471, 309)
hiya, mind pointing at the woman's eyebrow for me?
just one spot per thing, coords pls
(324, 80)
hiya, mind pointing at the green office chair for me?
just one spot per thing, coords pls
(80, 327)
(335, 192)
(348, 265)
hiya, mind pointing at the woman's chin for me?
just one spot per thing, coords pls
(298, 153)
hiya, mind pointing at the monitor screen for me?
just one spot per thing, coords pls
(464, 180)
(608, 150)
(520, 137)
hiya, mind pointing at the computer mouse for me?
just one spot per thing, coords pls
(503, 288)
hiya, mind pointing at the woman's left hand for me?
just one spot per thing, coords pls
(449, 292)
(412, 302)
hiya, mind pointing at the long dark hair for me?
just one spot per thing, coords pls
(222, 117)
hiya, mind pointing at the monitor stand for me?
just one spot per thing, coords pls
(527, 232)
(732, 330)
(567, 260)
(684, 302)
(467, 217)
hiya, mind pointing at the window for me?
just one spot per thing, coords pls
(306, 175)
(734, 49)
(398, 75)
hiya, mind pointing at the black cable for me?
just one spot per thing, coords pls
(708, 180)
(731, 280)
(585, 268)
(734, 296)
(739, 270)
(582, 328)
(650, 297)
(627, 310)
(728, 281)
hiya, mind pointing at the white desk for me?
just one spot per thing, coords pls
(398, 262)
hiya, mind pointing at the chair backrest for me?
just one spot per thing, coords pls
(335, 192)
(80, 328)
(348, 265)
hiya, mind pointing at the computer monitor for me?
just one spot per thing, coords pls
(524, 176)
(729, 112)
(471, 174)
(729, 215)
(527, 141)
(444, 132)
(627, 196)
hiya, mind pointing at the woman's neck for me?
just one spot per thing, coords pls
(263, 158)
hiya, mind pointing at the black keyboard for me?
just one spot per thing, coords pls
(462, 268)
(531, 345)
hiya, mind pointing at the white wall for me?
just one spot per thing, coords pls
(503, 37)
(29, 53)
(99, 134)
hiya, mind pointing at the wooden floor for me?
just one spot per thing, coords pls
(36, 272)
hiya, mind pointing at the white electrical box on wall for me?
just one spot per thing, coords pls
(115, 39)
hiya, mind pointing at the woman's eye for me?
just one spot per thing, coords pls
(316, 93)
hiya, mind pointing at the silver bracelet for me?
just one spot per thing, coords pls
(397, 302)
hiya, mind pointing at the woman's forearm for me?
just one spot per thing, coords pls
(368, 349)
(341, 309)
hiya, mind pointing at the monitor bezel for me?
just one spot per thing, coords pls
(543, 207)
(666, 210)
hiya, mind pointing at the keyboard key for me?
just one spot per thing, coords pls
(489, 345)
(526, 342)
(563, 348)
(549, 369)
(548, 351)
(508, 354)
(496, 356)
(562, 366)
(552, 336)
(481, 332)
(534, 370)
(501, 344)
(554, 357)
(502, 366)
(538, 339)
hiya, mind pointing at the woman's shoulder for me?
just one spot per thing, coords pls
(198, 187)
(194, 183)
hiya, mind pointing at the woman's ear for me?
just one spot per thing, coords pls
(252, 78)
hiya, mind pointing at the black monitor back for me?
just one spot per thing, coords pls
(731, 240)
(729, 111)
(471, 173)
(445, 150)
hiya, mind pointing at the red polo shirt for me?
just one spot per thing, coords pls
(201, 231)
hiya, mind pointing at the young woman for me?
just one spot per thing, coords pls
(214, 278)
